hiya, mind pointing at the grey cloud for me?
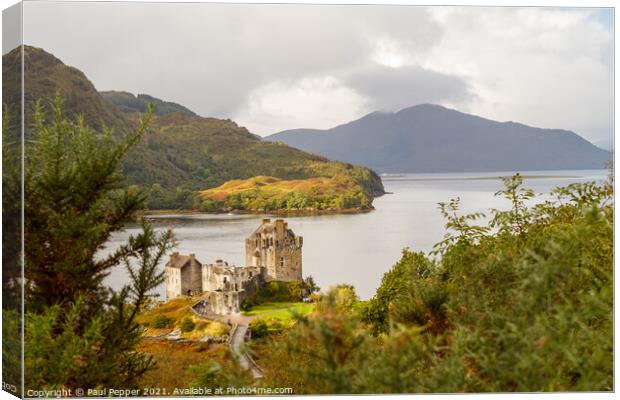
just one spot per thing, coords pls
(210, 57)
(213, 58)
(11, 28)
(391, 89)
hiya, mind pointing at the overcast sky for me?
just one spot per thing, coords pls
(276, 67)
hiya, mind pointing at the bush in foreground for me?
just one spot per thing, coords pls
(522, 304)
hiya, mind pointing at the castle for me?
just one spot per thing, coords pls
(272, 253)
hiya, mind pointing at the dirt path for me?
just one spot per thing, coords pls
(238, 335)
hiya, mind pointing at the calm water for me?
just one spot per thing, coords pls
(356, 249)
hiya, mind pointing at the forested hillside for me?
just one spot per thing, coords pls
(128, 103)
(181, 153)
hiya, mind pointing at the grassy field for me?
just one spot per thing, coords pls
(174, 362)
(270, 186)
(281, 311)
(177, 310)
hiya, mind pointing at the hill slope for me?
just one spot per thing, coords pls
(44, 74)
(208, 152)
(431, 138)
(128, 103)
(181, 154)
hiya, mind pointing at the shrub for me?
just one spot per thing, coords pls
(162, 321)
(259, 328)
(247, 305)
(280, 292)
(187, 325)
(523, 303)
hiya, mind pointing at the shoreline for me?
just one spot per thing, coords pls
(405, 177)
(280, 213)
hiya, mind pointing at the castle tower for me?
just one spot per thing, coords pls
(274, 246)
(183, 276)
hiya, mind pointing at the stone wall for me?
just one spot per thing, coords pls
(223, 303)
(223, 277)
(226, 286)
(229, 302)
(173, 283)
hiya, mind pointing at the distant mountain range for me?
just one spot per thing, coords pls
(431, 138)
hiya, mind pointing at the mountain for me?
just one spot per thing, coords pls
(182, 153)
(430, 138)
(128, 103)
(44, 74)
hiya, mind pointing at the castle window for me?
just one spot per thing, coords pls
(282, 262)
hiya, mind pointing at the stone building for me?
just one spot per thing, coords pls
(273, 245)
(183, 276)
(273, 253)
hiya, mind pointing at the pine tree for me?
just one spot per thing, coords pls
(78, 332)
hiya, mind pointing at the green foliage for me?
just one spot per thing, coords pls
(79, 333)
(11, 211)
(162, 321)
(460, 229)
(259, 328)
(11, 349)
(11, 250)
(309, 287)
(411, 269)
(516, 220)
(323, 354)
(246, 305)
(523, 304)
(342, 296)
(51, 335)
(277, 291)
(187, 325)
(127, 102)
(74, 200)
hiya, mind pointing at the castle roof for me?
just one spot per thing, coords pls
(268, 227)
(179, 261)
(265, 228)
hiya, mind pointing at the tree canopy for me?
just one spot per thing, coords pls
(78, 332)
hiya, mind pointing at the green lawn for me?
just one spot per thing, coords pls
(282, 311)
